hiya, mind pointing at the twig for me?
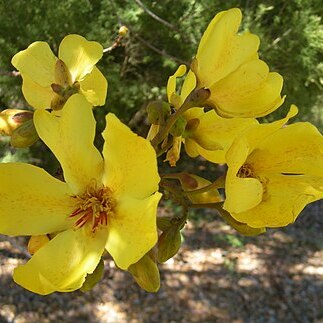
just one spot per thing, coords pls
(160, 51)
(154, 16)
(10, 73)
(145, 42)
(189, 12)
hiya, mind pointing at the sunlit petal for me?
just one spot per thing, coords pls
(188, 85)
(132, 229)
(79, 55)
(37, 62)
(94, 87)
(214, 135)
(32, 201)
(284, 198)
(63, 263)
(171, 84)
(295, 149)
(249, 91)
(37, 96)
(221, 51)
(70, 137)
(130, 161)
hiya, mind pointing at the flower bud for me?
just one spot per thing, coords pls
(25, 135)
(146, 273)
(11, 119)
(178, 127)
(169, 243)
(123, 31)
(36, 242)
(158, 111)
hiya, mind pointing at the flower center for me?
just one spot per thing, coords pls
(63, 86)
(246, 170)
(94, 207)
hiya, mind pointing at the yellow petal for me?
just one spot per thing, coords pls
(250, 91)
(70, 137)
(130, 161)
(32, 201)
(132, 229)
(221, 51)
(211, 196)
(37, 62)
(295, 149)
(171, 84)
(63, 263)
(37, 96)
(245, 193)
(79, 55)
(191, 147)
(256, 134)
(214, 135)
(188, 86)
(94, 87)
(285, 198)
(36, 242)
(241, 193)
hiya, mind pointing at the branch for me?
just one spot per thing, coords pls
(10, 73)
(154, 16)
(160, 51)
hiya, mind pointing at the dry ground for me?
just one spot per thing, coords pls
(218, 276)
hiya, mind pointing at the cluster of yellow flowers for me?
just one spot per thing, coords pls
(109, 201)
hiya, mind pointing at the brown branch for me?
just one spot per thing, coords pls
(10, 73)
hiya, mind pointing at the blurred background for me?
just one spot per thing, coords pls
(219, 275)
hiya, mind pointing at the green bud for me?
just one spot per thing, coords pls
(178, 127)
(240, 227)
(169, 243)
(189, 182)
(25, 135)
(92, 279)
(158, 112)
(164, 223)
(146, 273)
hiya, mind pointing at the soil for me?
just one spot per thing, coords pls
(218, 276)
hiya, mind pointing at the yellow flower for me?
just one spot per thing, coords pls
(105, 203)
(206, 134)
(228, 65)
(274, 172)
(49, 81)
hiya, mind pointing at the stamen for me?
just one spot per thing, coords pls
(245, 171)
(93, 207)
